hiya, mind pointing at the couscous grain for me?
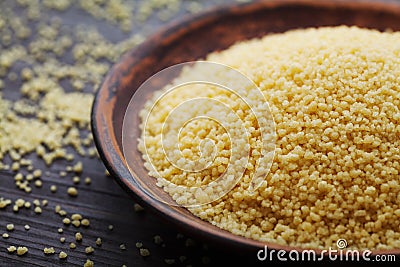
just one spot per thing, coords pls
(89, 250)
(72, 191)
(144, 252)
(49, 250)
(10, 227)
(85, 222)
(22, 251)
(62, 255)
(38, 210)
(78, 236)
(11, 249)
(88, 263)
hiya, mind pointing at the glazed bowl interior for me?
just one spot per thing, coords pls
(193, 38)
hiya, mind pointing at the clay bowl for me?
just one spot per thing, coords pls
(190, 39)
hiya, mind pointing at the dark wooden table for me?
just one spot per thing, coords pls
(103, 202)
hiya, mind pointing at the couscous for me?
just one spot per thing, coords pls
(334, 94)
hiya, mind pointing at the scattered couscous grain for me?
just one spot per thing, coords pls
(27, 205)
(11, 249)
(22, 251)
(38, 183)
(5, 235)
(62, 255)
(4, 202)
(88, 180)
(157, 239)
(99, 242)
(78, 167)
(76, 216)
(19, 177)
(66, 221)
(89, 250)
(88, 263)
(20, 202)
(53, 188)
(15, 166)
(78, 236)
(15, 208)
(29, 177)
(10, 227)
(57, 208)
(27, 227)
(144, 252)
(37, 173)
(72, 245)
(28, 189)
(49, 251)
(76, 179)
(38, 210)
(333, 94)
(85, 222)
(72, 191)
(62, 213)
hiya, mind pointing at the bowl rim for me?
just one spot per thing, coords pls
(104, 137)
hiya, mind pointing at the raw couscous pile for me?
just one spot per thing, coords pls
(53, 56)
(334, 94)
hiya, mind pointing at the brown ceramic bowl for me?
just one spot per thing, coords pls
(190, 39)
